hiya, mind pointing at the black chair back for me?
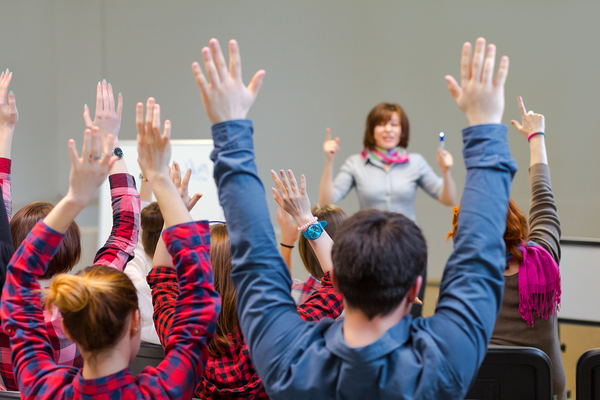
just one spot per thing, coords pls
(149, 355)
(513, 373)
(588, 375)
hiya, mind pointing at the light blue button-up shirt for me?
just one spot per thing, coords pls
(427, 358)
(392, 190)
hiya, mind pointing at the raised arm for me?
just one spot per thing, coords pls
(472, 284)
(197, 306)
(8, 119)
(326, 189)
(446, 161)
(289, 235)
(120, 245)
(21, 310)
(544, 223)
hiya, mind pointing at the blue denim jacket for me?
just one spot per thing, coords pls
(427, 358)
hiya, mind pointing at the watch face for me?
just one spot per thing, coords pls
(118, 152)
(313, 232)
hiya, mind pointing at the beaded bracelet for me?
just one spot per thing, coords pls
(535, 133)
(306, 225)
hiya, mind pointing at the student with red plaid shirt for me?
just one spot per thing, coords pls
(116, 252)
(100, 311)
(229, 371)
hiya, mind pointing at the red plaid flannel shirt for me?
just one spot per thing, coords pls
(232, 375)
(115, 253)
(301, 291)
(193, 325)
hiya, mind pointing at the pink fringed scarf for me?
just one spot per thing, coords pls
(392, 156)
(539, 283)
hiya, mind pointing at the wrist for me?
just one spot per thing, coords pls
(305, 221)
(290, 240)
(535, 136)
(76, 200)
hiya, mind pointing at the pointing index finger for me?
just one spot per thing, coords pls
(522, 107)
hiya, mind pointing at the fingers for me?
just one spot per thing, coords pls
(215, 48)
(111, 98)
(73, 151)
(87, 144)
(292, 179)
(235, 61)
(167, 133)
(175, 174)
(156, 125)
(139, 119)
(95, 145)
(186, 178)
(465, 64)
(194, 200)
(327, 134)
(478, 59)
(149, 114)
(12, 102)
(120, 105)
(277, 182)
(211, 70)
(502, 72)
(105, 100)
(98, 99)
(521, 107)
(256, 83)
(277, 197)
(488, 65)
(453, 86)
(86, 116)
(302, 184)
(200, 79)
(5, 79)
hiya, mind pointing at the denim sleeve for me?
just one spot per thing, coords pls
(266, 309)
(472, 285)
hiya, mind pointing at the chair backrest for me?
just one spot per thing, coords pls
(588, 375)
(9, 395)
(149, 355)
(511, 372)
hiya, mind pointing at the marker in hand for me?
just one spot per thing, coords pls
(442, 135)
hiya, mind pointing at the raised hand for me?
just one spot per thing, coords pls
(479, 96)
(293, 199)
(153, 145)
(531, 122)
(445, 160)
(90, 170)
(224, 95)
(107, 117)
(331, 146)
(182, 185)
(289, 229)
(8, 114)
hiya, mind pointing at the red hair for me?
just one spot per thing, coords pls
(516, 229)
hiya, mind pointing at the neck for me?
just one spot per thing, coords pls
(359, 331)
(105, 363)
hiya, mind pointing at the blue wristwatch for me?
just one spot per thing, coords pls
(315, 230)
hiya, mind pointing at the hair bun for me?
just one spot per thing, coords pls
(69, 293)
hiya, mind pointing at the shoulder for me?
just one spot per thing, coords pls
(417, 158)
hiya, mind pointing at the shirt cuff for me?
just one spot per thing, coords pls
(5, 165)
(186, 235)
(161, 274)
(228, 135)
(122, 184)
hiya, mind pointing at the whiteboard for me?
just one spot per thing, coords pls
(580, 281)
(194, 154)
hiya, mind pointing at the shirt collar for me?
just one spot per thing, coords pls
(106, 384)
(391, 340)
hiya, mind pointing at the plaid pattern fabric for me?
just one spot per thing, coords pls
(5, 165)
(232, 375)
(301, 291)
(194, 323)
(115, 253)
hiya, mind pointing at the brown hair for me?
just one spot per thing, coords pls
(516, 229)
(95, 305)
(69, 251)
(382, 112)
(334, 217)
(152, 223)
(220, 258)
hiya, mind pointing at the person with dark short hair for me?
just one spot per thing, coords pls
(377, 351)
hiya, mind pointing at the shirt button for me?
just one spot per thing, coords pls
(9, 331)
(196, 331)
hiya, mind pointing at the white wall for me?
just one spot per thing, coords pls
(327, 63)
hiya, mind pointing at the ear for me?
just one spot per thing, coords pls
(413, 292)
(135, 325)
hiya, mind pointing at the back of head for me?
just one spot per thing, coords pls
(334, 216)
(220, 258)
(95, 305)
(516, 229)
(382, 112)
(152, 222)
(69, 251)
(377, 256)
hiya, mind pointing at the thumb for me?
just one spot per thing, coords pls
(516, 124)
(337, 140)
(453, 86)
(256, 83)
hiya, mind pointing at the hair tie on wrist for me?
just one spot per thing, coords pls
(533, 134)
(288, 246)
(309, 223)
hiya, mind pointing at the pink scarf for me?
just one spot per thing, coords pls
(392, 156)
(539, 283)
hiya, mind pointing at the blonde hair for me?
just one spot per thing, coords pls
(95, 305)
